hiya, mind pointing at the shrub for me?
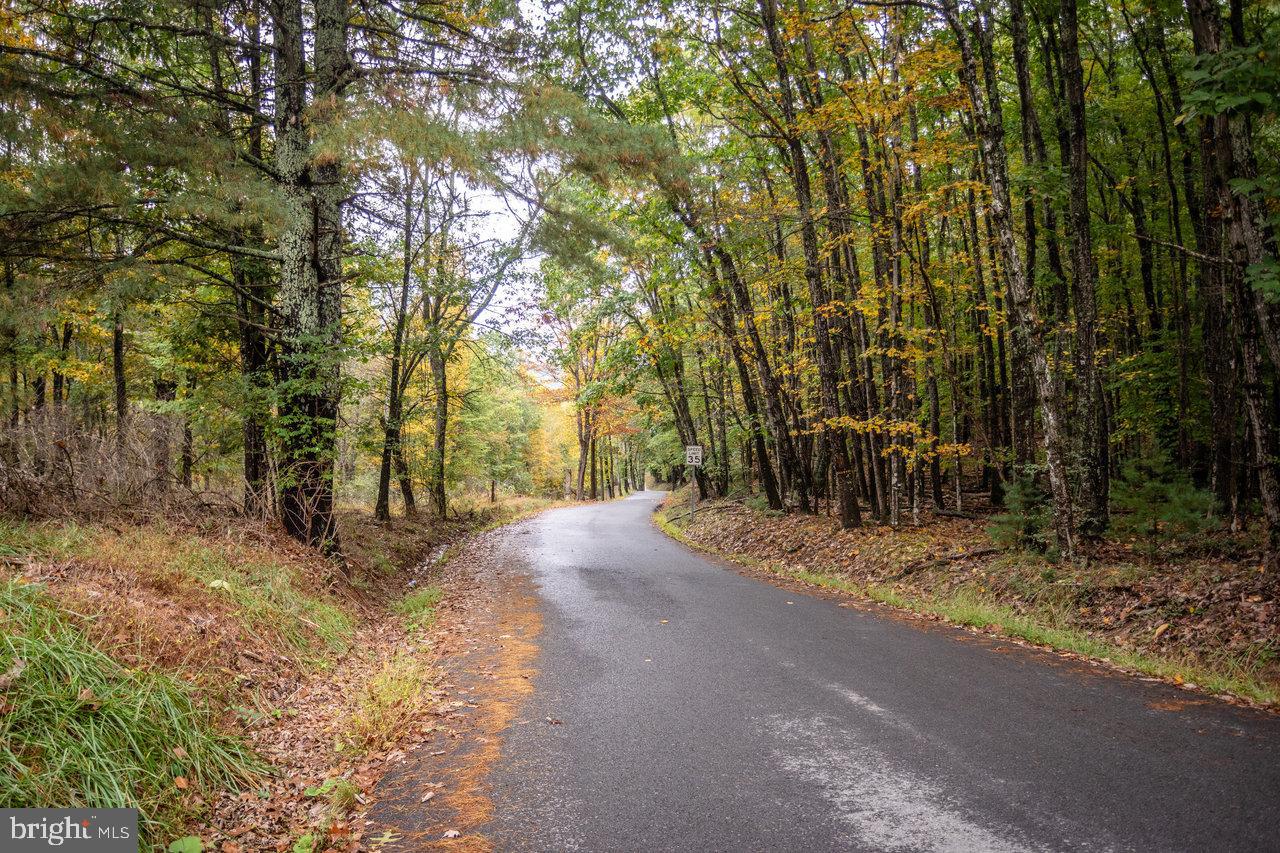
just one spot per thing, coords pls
(1160, 505)
(1025, 523)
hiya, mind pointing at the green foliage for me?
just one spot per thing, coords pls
(1237, 80)
(1158, 504)
(341, 794)
(1025, 525)
(80, 730)
(419, 607)
(497, 418)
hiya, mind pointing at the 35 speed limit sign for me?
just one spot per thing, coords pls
(693, 454)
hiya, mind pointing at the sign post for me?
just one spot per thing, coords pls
(693, 458)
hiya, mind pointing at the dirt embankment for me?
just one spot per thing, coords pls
(330, 672)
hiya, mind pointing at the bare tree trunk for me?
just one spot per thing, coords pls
(594, 475)
(1092, 433)
(439, 372)
(188, 441)
(166, 391)
(118, 377)
(395, 391)
(1023, 310)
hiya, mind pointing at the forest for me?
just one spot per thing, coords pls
(892, 248)
(868, 254)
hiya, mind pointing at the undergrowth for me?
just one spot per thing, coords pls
(419, 607)
(268, 600)
(386, 705)
(79, 730)
(269, 597)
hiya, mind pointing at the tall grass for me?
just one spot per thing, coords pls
(79, 730)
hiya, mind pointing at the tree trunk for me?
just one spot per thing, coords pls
(441, 431)
(1023, 310)
(310, 294)
(117, 373)
(166, 391)
(850, 513)
(724, 306)
(1230, 224)
(1092, 433)
(395, 389)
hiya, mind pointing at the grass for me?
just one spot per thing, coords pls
(77, 729)
(20, 539)
(341, 794)
(386, 705)
(268, 595)
(419, 607)
(1045, 626)
(268, 600)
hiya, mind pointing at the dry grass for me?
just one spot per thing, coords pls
(387, 705)
(52, 466)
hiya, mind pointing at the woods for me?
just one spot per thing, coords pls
(880, 259)
(954, 249)
(218, 218)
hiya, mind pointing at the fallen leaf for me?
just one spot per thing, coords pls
(1163, 627)
(15, 670)
(428, 795)
(181, 783)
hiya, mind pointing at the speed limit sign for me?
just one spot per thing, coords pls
(693, 454)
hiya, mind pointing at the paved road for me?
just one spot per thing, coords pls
(703, 710)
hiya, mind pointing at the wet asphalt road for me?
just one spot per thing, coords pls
(703, 710)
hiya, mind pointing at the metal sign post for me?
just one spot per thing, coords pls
(693, 458)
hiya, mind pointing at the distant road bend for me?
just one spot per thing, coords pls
(703, 710)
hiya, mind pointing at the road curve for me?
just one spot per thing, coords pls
(679, 705)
